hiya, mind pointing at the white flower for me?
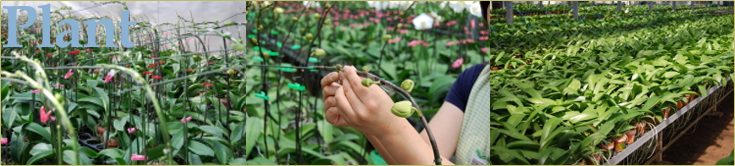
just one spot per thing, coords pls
(266, 3)
(443, 4)
(437, 17)
(379, 5)
(459, 6)
(312, 4)
(476, 9)
(423, 21)
(403, 5)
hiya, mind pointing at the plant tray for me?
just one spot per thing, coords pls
(656, 140)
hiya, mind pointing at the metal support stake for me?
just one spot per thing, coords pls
(509, 12)
(576, 9)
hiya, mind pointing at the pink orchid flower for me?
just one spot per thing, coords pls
(5, 141)
(109, 76)
(450, 43)
(35, 91)
(45, 116)
(187, 119)
(457, 63)
(415, 42)
(396, 40)
(68, 74)
(59, 85)
(485, 49)
(137, 157)
(132, 130)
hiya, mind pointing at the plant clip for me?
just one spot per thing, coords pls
(314, 60)
(275, 32)
(255, 31)
(286, 69)
(256, 48)
(251, 36)
(279, 44)
(262, 95)
(295, 47)
(273, 53)
(258, 59)
(296, 86)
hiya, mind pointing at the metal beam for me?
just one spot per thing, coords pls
(673, 5)
(509, 12)
(691, 3)
(576, 9)
(650, 6)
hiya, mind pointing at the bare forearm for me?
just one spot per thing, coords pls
(383, 152)
(408, 146)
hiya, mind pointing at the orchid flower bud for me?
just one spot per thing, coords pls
(407, 85)
(368, 82)
(309, 36)
(366, 68)
(278, 10)
(319, 52)
(387, 37)
(295, 18)
(239, 47)
(317, 15)
(403, 109)
(59, 98)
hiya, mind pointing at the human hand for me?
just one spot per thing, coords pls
(366, 109)
(329, 89)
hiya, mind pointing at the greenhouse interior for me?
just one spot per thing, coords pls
(367, 83)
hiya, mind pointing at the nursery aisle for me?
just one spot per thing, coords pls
(711, 140)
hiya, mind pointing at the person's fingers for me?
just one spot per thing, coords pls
(344, 105)
(355, 82)
(330, 102)
(332, 116)
(330, 78)
(330, 90)
(377, 91)
(347, 86)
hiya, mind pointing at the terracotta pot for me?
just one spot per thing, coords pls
(495, 69)
(692, 97)
(631, 136)
(113, 143)
(608, 146)
(679, 105)
(619, 143)
(640, 127)
(594, 157)
(687, 99)
(666, 113)
(101, 131)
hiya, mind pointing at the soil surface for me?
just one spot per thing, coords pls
(708, 142)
